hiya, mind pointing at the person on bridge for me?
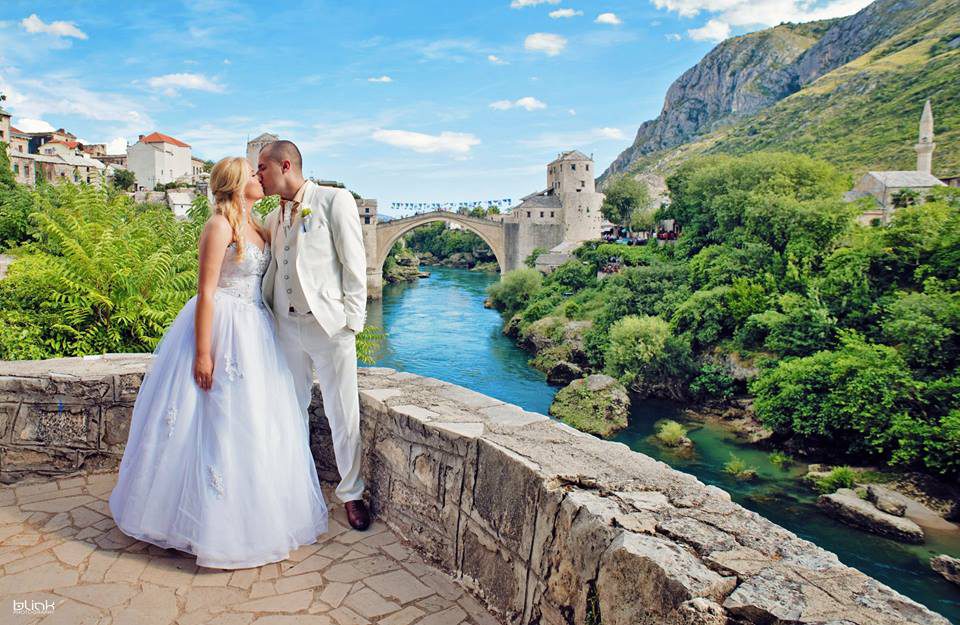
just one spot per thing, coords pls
(317, 288)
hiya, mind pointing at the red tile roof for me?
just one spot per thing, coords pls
(158, 137)
(70, 144)
(16, 130)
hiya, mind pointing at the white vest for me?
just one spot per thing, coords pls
(329, 259)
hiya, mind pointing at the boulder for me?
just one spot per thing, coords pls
(947, 566)
(597, 404)
(563, 373)
(887, 500)
(846, 506)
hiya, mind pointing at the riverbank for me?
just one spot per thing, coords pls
(439, 328)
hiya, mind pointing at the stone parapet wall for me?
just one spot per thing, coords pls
(546, 524)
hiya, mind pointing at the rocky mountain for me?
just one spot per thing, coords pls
(849, 90)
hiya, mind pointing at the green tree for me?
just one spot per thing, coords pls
(644, 355)
(846, 399)
(514, 289)
(623, 197)
(124, 179)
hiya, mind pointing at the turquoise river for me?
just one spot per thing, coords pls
(438, 327)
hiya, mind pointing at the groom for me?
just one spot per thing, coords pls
(317, 287)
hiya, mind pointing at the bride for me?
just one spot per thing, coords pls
(218, 462)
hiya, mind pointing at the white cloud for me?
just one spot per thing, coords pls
(608, 18)
(564, 140)
(714, 30)
(33, 125)
(673, 36)
(529, 103)
(117, 146)
(496, 60)
(547, 43)
(170, 84)
(763, 12)
(46, 96)
(456, 143)
(519, 4)
(572, 111)
(34, 24)
(227, 61)
(609, 133)
(561, 13)
(380, 79)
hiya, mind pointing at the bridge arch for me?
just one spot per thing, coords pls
(490, 231)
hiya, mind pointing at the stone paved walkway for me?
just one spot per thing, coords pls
(58, 543)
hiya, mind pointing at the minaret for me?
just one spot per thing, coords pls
(925, 144)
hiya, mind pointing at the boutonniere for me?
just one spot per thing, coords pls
(303, 218)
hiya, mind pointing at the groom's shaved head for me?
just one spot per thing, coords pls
(284, 150)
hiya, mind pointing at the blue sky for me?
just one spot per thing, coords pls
(403, 101)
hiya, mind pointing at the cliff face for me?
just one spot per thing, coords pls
(854, 36)
(736, 96)
(737, 78)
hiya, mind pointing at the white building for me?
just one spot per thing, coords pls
(255, 145)
(159, 159)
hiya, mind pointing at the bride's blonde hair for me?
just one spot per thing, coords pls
(227, 181)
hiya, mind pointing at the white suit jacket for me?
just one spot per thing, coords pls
(330, 258)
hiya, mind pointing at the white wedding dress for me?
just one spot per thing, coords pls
(225, 474)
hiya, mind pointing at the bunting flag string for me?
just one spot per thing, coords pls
(451, 206)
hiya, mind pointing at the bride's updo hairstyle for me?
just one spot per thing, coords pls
(227, 181)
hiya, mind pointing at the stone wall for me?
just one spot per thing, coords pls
(548, 525)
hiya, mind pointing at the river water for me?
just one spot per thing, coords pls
(438, 327)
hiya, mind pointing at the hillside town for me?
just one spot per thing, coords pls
(163, 168)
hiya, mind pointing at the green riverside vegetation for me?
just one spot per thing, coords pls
(850, 334)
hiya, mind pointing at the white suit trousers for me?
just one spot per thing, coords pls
(334, 359)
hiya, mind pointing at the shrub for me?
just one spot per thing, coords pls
(671, 433)
(514, 289)
(738, 468)
(644, 355)
(837, 478)
(846, 399)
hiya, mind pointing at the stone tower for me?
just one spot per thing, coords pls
(925, 144)
(571, 178)
(255, 145)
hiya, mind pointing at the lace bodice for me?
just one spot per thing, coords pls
(242, 279)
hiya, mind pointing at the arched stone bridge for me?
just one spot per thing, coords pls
(380, 239)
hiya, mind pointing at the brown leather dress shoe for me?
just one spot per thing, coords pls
(357, 514)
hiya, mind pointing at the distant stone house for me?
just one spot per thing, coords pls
(885, 186)
(561, 216)
(255, 145)
(159, 159)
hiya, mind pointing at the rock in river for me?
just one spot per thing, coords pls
(597, 404)
(849, 508)
(948, 567)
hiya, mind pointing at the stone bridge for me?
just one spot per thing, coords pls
(385, 234)
(536, 521)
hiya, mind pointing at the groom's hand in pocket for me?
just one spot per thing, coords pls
(203, 371)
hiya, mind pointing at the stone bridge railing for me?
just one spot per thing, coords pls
(548, 525)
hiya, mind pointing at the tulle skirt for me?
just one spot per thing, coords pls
(225, 474)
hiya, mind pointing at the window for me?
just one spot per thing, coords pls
(366, 210)
(366, 220)
(578, 190)
(26, 170)
(19, 148)
(541, 213)
(551, 213)
(588, 166)
(528, 213)
(573, 166)
(583, 183)
(16, 169)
